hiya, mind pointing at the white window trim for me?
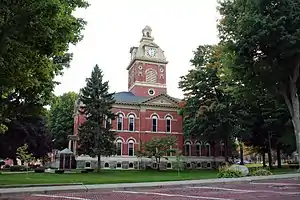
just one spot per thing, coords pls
(200, 150)
(133, 117)
(122, 121)
(190, 147)
(169, 118)
(154, 117)
(120, 141)
(131, 142)
(209, 149)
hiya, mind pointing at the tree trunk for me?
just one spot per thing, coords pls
(270, 160)
(264, 159)
(241, 153)
(99, 163)
(226, 150)
(278, 156)
(290, 94)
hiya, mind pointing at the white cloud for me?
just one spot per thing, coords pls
(178, 26)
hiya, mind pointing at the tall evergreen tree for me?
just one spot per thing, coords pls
(95, 136)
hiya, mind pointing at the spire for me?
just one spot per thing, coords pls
(147, 34)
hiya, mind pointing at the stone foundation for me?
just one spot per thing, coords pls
(134, 163)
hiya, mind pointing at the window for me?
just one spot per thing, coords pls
(168, 124)
(169, 165)
(131, 123)
(222, 149)
(131, 148)
(198, 149)
(119, 165)
(120, 122)
(130, 166)
(107, 123)
(106, 165)
(119, 147)
(151, 92)
(207, 149)
(187, 148)
(154, 123)
(151, 76)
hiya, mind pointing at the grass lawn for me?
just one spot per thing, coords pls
(114, 176)
(105, 176)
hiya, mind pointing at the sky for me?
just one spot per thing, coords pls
(113, 26)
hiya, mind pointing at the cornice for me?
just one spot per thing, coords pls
(145, 59)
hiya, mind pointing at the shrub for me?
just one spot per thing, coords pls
(59, 171)
(89, 170)
(261, 172)
(84, 171)
(39, 170)
(226, 172)
(18, 168)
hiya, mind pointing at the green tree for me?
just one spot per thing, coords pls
(210, 112)
(264, 36)
(60, 119)
(31, 130)
(159, 147)
(24, 155)
(95, 136)
(34, 43)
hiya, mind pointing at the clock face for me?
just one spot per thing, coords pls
(151, 52)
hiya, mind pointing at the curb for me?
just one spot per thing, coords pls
(127, 186)
(38, 185)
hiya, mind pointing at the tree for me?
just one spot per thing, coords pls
(159, 147)
(95, 136)
(24, 155)
(60, 119)
(264, 36)
(31, 130)
(34, 44)
(210, 112)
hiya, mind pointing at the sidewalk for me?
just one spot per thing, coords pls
(124, 186)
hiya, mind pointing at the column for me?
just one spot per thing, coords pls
(74, 147)
(70, 144)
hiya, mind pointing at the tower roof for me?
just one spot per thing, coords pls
(147, 41)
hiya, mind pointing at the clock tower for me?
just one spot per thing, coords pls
(147, 68)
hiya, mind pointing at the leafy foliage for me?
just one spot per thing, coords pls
(60, 118)
(227, 172)
(30, 130)
(159, 147)
(261, 172)
(34, 42)
(95, 136)
(23, 154)
(264, 36)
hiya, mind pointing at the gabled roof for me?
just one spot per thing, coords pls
(159, 100)
(128, 97)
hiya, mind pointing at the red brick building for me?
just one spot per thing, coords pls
(146, 111)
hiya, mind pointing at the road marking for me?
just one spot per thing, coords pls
(281, 184)
(226, 189)
(249, 191)
(172, 195)
(56, 196)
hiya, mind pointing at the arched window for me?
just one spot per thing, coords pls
(198, 149)
(131, 122)
(119, 147)
(120, 122)
(131, 148)
(107, 123)
(168, 124)
(207, 149)
(154, 123)
(188, 151)
(151, 76)
(222, 149)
